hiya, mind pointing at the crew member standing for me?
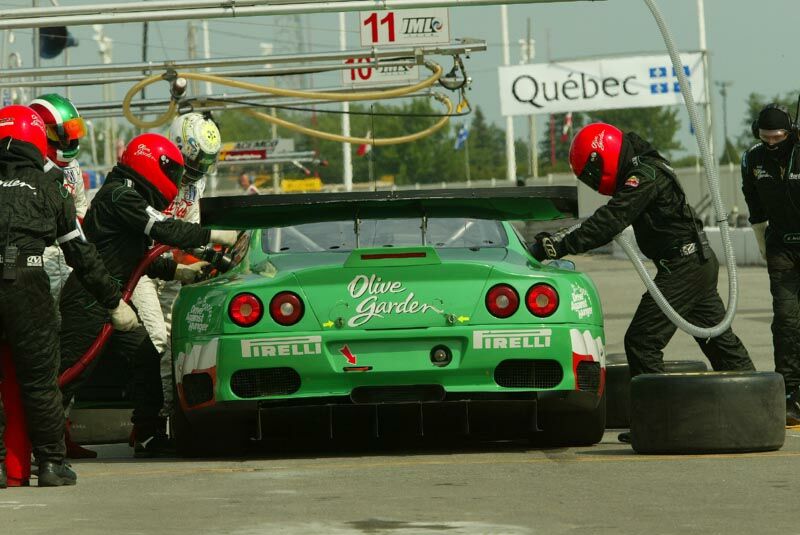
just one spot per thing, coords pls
(65, 128)
(36, 210)
(646, 193)
(124, 219)
(771, 186)
(199, 141)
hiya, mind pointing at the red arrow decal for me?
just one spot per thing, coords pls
(348, 354)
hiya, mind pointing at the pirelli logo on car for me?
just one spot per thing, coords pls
(508, 339)
(282, 347)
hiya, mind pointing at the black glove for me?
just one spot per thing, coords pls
(546, 247)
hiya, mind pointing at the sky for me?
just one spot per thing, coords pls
(749, 44)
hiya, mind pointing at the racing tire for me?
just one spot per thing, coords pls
(618, 386)
(571, 427)
(714, 412)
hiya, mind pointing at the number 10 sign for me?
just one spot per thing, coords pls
(405, 27)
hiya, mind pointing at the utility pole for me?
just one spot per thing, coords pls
(723, 91)
(466, 161)
(347, 152)
(527, 51)
(104, 44)
(206, 53)
(36, 59)
(191, 51)
(511, 158)
(701, 30)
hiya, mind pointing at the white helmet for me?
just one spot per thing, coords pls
(199, 140)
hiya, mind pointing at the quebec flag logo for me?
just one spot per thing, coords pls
(660, 83)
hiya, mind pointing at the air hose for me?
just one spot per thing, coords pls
(378, 142)
(712, 177)
(77, 369)
(271, 90)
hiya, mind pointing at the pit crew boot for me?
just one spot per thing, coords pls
(151, 440)
(793, 408)
(624, 437)
(75, 450)
(53, 474)
(3, 476)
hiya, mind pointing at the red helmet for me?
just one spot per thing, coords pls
(157, 160)
(594, 156)
(23, 124)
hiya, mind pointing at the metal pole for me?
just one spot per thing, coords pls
(511, 162)
(701, 23)
(723, 91)
(191, 52)
(466, 46)
(466, 159)
(207, 53)
(210, 9)
(347, 151)
(145, 30)
(534, 150)
(36, 59)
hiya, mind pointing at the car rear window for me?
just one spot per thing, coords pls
(341, 235)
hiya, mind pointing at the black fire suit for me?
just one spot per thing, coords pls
(649, 197)
(123, 220)
(771, 186)
(36, 211)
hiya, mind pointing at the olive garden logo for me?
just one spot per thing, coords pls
(369, 288)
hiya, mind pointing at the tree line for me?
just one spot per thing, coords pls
(435, 159)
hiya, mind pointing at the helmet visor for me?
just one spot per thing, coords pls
(67, 131)
(201, 164)
(172, 169)
(593, 171)
(772, 137)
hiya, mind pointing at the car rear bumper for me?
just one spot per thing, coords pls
(513, 415)
(555, 365)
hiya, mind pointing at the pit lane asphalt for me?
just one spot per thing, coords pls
(458, 488)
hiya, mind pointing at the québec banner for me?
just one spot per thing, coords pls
(598, 84)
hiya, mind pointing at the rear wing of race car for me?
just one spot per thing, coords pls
(531, 203)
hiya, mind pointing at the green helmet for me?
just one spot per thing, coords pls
(64, 125)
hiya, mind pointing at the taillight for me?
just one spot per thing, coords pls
(502, 300)
(542, 300)
(245, 310)
(286, 308)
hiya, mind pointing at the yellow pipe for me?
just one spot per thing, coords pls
(378, 142)
(318, 95)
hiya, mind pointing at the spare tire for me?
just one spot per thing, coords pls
(713, 412)
(618, 385)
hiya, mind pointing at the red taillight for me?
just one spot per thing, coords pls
(286, 308)
(542, 300)
(245, 310)
(502, 300)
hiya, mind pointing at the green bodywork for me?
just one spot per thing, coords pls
(384, 315)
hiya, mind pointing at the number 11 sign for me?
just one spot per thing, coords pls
(405, 27)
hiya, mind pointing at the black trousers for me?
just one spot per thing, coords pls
(690, 286)
(81, 321)
(28, 320)
(783, 265)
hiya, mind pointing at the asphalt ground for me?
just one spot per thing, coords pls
(455, 488)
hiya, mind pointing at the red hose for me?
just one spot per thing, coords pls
(76, 369)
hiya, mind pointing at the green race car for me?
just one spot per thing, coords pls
(388, 313)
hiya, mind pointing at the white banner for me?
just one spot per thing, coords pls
(378, 75)
(599, 84)
(428, 26)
